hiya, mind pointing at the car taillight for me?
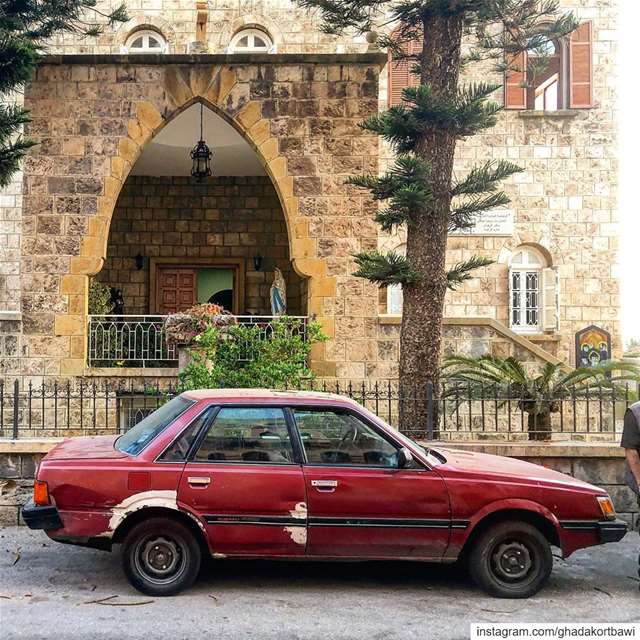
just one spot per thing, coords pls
(41, 493)
(607, 508)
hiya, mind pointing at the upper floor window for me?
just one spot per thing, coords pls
(564, 82)
(251, 41)
(533, 292)
(400, 72)
(147, 41)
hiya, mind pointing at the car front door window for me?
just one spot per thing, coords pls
(340, 438)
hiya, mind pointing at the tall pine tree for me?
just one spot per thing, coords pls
(420, 192)
(25, 26)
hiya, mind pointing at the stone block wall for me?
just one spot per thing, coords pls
(300, 114)
(179, 217)
(564, 201)
(291, 28)
(17, 472)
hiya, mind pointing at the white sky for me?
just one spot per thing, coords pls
(629, 119)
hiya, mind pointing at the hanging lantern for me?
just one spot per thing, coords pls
(201, 155)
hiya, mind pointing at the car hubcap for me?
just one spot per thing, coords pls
(512, 561)
(160, 559)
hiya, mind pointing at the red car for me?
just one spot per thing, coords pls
(253, 473)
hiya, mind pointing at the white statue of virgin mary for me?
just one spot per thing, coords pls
(278, 294)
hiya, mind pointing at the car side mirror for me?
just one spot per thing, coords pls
(405, 458)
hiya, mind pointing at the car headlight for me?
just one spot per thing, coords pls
(607, 508)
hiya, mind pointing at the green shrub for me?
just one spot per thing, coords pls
(240, 356)
(99, 298)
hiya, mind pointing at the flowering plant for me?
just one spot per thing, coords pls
(185, 327)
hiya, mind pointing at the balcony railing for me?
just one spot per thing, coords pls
(140, 341)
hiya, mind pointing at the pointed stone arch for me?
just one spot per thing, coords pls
(220, 89)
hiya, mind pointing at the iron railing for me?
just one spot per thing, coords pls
(81, 408)
(140, 341)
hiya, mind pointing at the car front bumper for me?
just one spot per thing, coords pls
(612, 530)
(41, 517)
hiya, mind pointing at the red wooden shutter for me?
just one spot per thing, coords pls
(581, 91)
(515, 91)
(400, 75)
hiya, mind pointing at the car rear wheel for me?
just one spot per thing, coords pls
(161, 557)
(511, 560)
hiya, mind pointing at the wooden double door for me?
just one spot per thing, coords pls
(176, 286)
(176, 289)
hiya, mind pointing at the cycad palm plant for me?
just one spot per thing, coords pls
(539, 394)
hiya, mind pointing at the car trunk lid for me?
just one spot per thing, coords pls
(87, 447)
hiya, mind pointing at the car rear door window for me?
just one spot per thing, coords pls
(247, 434)
(333, 437)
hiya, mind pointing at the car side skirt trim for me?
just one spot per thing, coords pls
(337, 522)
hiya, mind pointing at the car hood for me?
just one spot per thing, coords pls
(503, 468)
(87, 447)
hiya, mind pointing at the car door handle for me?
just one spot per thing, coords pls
(201, 481)
(325, 485)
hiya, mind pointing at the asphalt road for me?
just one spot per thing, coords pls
(48, 590)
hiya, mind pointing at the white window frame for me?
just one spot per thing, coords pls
(394, 299)
(145, 34)
(527, 265)
(251, 34)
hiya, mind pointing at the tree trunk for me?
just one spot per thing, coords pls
(539, 426)
(423, 306)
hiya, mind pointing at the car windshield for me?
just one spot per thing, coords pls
(137, 438)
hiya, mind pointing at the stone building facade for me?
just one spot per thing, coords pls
(103, 192)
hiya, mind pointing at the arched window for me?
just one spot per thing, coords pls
(564, 83)
(251, 41)
(146, 41)
(533, 292)
(546, 88)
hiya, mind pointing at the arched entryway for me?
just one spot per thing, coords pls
(176, 240)
(299, 116)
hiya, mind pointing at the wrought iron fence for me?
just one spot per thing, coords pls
(81, 408)
(140, 341)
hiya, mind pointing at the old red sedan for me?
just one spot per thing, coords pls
(253, 473)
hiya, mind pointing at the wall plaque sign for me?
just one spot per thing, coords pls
(499, 222)
(593, 346)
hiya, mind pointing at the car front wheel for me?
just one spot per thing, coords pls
(161, 557)
(511, 560)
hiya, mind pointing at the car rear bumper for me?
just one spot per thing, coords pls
(37, 517)
(612, 530)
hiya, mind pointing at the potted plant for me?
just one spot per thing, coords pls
(185, 329)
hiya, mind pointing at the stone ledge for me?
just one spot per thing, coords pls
(28, 445)
(131, 372)
(509, 449)
(10, 316)
(377, 57)
(536, 450)
(560, 113)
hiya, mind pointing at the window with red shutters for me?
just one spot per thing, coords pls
(566, 82)
(580, 90)
(515, 91)
(400, 76)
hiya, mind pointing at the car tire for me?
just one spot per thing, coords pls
(511, 560)
(161, 557)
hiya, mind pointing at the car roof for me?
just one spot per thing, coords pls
(270, 395)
